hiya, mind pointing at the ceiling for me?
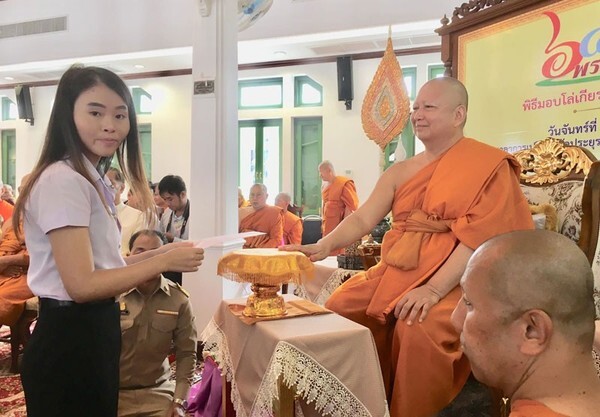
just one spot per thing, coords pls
(291, 29)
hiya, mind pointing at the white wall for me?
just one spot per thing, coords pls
(344, 142)
(96, 28)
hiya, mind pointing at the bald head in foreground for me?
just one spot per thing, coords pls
(527, 322)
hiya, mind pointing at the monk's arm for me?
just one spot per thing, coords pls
(422, 298)
(296, 233)
(597, 336)
(275, 234)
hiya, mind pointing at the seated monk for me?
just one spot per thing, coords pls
(527, 321)
(260, 217)
(292, 224)
(14, 261)
(445, 202)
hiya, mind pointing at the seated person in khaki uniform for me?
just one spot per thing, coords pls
(153, 316)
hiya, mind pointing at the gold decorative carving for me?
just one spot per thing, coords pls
(550, 161)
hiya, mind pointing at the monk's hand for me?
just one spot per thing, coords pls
(315, 252)
(419, 299)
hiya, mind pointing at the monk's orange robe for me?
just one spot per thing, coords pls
(292, 228)
(467, 196)
(530, 408)
(13, 291)
(269, 220)
(337, 197)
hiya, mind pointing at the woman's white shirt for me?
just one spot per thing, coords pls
(62, 197)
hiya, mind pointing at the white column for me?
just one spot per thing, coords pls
(213, 154)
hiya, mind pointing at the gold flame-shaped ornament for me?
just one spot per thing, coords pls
(386, 107)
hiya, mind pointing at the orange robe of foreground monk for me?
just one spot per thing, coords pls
(467, 196)
(529, 408)
(13, 290)
(267, 219)
(292, 228)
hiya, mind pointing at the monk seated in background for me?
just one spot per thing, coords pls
(292, 224)
(260, 217)
(527, 321)
(445, 202)
(14, 261)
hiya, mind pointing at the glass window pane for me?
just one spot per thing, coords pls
(247, 158)
(271, 161)
(310, 95)
(261, 96)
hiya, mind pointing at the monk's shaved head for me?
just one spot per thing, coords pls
(454, 88)
(535, 269)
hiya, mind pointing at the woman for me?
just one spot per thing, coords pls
(71, 364)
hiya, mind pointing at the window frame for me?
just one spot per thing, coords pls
(299, 81)
(434, 69)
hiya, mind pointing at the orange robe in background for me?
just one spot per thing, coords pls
(530, 408)
(470, 194)
(337, 197)
(269, 220)
(14, 291)
(292, 228)
(6, 210)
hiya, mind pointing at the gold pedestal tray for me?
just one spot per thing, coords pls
(264, 302)
(266, 270)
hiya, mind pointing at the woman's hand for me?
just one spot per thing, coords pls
(419, 299)
(315, 252)
(184, 259)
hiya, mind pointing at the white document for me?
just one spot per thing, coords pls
(219, 240)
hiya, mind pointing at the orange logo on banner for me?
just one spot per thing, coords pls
(386, 107)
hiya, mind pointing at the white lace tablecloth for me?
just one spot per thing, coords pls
(329, 361)
(328, 277)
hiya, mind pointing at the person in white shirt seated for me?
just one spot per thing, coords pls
(130, 219)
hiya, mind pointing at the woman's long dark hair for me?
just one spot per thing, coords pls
(62, 140)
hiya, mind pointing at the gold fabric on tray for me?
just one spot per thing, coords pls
(265, 266)
(386, 106)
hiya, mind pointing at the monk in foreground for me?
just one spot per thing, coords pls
(445, 202)
(527, 322)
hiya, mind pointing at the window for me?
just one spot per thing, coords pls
(9, 109)
(142, 100)
(308, 151)
(261, 94)
(435, 71)
(410, 81)
(145, 134)
(307, 92)
(9, 157)
(260, 155)
(408, 141)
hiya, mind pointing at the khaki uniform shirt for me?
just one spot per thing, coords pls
(148, 326)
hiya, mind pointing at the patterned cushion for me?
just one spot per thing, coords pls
(566, 198)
